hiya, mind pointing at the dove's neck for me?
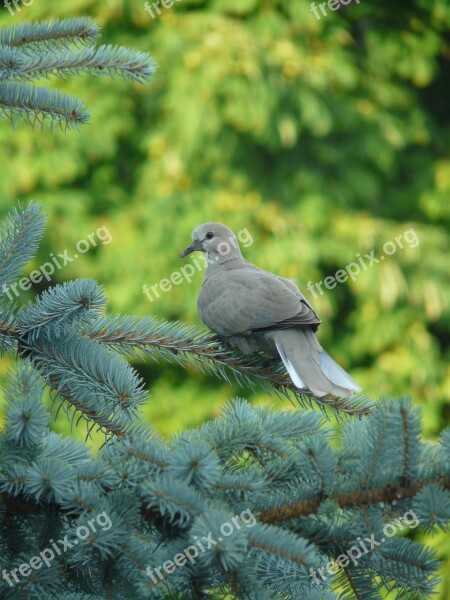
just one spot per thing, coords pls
(216, 258)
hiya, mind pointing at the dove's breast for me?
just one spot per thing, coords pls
(222, 306)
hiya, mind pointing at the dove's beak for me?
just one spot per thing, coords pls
(194, 247)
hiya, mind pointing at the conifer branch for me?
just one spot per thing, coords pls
(21, 233)
(191, 346)
(104, 424)
(103, 60)
(74, 31)
(309, 499)
(388, 493)
(280, 555)
(9, 329)
(35, 105)
(60, 48)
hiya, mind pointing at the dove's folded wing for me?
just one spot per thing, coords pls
(247, 298)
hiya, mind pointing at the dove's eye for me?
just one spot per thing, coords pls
(209, 235)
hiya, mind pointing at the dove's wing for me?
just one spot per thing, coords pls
(242, 298)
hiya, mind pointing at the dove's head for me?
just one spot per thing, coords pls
(217, 241)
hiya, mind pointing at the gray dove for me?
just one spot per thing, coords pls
(255, 310)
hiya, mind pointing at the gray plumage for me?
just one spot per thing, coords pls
(255, 310)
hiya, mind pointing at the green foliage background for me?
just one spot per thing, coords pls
(324, 138)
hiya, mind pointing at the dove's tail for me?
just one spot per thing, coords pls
(309, 366)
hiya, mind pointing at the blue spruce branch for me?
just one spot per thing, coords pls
(162, 497)
(36, 105)
(191, 346)
(80, 31)
(60, 48)
(310, 500)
